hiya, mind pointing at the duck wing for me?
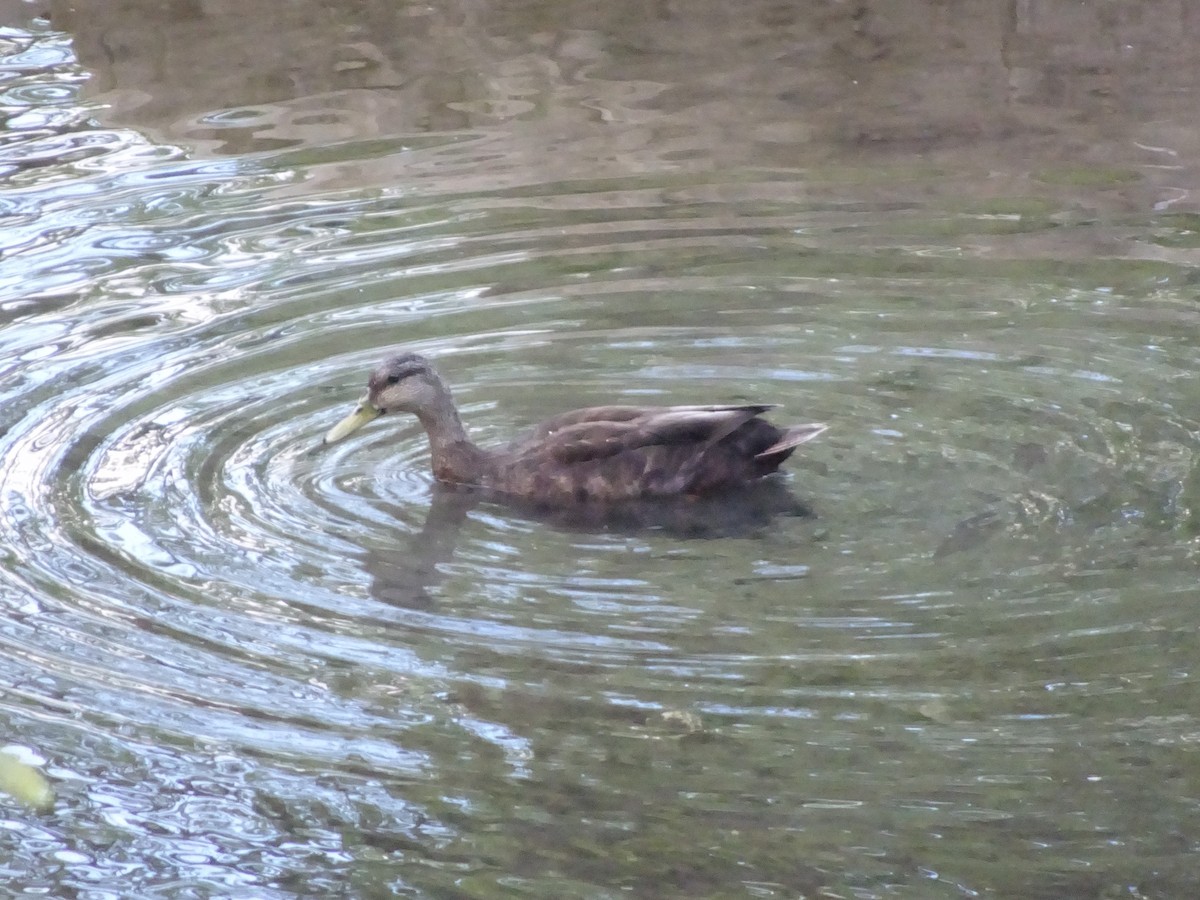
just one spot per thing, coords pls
(619, 453)
(605, 431)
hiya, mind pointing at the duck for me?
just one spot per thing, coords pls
(601, 454)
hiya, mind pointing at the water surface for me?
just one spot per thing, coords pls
(254, 667)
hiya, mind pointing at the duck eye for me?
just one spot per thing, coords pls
(393, 379)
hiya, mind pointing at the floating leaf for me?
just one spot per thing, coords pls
(24, 782)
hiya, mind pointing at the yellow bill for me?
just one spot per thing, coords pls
(363, 413)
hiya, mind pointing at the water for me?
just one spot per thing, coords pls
(254, 667)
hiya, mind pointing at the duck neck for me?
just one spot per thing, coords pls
(448, 441)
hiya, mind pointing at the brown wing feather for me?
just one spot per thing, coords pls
(794, 436)
(601, 415)
(588, 414)
(602, 432)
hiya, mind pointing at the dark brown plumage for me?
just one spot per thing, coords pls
(602, 454)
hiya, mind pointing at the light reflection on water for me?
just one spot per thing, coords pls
(244, 655)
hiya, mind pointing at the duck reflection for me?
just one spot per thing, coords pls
(406, 575)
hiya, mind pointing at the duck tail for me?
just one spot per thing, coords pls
(792, 437)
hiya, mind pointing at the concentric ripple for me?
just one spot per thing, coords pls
(231, 642)
(188, 564)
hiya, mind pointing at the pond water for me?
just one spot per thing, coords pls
(251, 666)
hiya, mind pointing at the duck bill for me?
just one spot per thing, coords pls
(363, 413)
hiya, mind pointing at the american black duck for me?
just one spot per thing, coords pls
(604, 454)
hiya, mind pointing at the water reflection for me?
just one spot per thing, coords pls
(964, 239)
(403, 577)
(629, 89)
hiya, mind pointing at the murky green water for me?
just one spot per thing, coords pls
(251, 667)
